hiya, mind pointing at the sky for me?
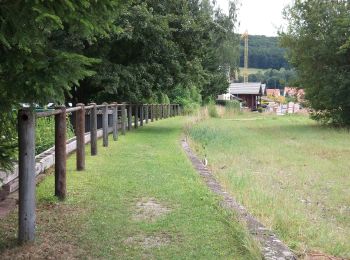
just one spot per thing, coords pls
(259, 17)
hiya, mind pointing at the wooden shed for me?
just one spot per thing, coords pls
(250, 92)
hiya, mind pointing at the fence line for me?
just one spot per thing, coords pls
(26, 136)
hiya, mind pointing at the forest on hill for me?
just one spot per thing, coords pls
(264, 53)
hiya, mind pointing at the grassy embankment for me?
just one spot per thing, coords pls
(288, 171)
(139, 198)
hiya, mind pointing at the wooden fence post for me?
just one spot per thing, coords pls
(123, 111)
(115, 121)
(105, 124)
(141, 114)
(26, 172)
(130, 117)
(147, 113)
(162, 111)
(80, 134)
(152, 112)
(93, 129)
(136, 116)
(60, 153)
(156, 111)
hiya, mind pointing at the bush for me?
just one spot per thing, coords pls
(188, 97)
(8, 139)
(45, 133)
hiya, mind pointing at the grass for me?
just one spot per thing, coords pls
(288, 171)
(96, 220)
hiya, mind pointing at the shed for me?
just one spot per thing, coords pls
(249, 92)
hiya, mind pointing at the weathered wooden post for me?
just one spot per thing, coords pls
(93, 129)
(136, 116)
(80, 134)
(115, 121)
(156, 111)
(152, 112)
(105, 124)
(26, 172)
(141, 114)
(123, 111)
(147, 113)
(129, 117)
(162, 111)
(60, 152)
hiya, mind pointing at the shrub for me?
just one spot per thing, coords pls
(188, 97)
(45, 133)
(8, 139)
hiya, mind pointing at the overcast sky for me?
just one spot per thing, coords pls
(259, 17)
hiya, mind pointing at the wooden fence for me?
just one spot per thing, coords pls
(122, 115)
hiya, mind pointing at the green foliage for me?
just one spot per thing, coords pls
(264, 53)
(188, 97)
(8, 139)
(45, 133)
(275, 78)
(164, 44)
(41, 53)
(111, 50)
(39, 59)
(317, 39)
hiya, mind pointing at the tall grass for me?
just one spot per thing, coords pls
(289, 172)
(212, 110)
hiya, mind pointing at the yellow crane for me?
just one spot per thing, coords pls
(245, 70)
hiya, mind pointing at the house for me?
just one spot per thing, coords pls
(250, 93)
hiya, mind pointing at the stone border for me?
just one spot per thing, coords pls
(272, 247)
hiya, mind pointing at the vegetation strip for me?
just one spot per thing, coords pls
(140, 199)
(272, 247)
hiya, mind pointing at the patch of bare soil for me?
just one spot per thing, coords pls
(149, 209)
(151, 241)
(55, 238)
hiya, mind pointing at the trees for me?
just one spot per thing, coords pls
(137, 51)
(163, 45)
(40, 53)
(318, 39)
(264, 53)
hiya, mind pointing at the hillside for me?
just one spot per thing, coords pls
(264, 53)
